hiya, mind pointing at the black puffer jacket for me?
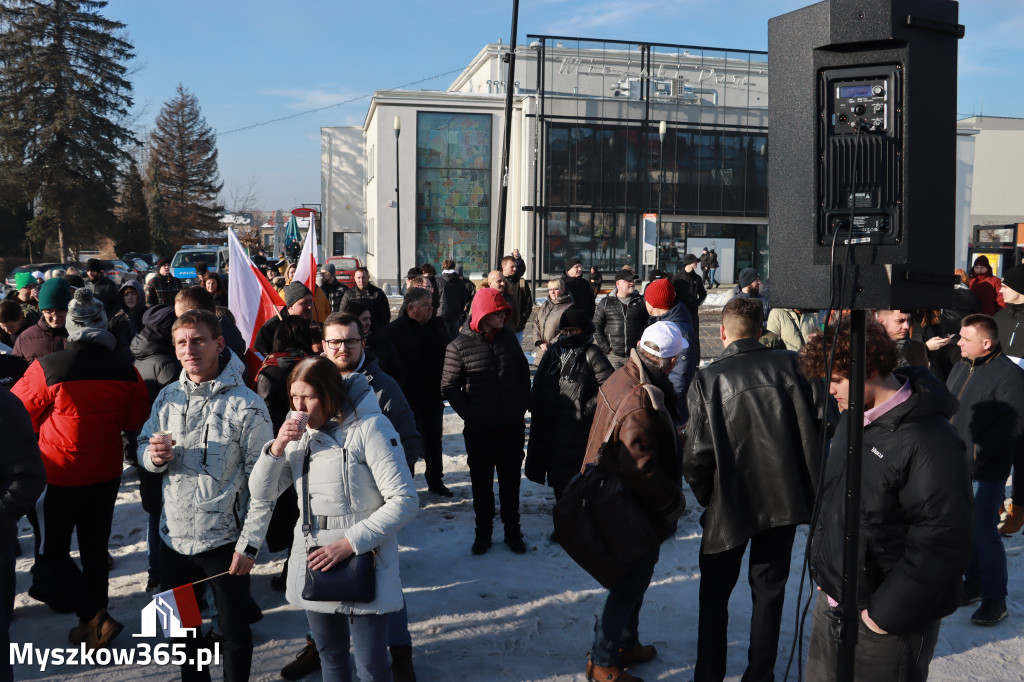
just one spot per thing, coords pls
(753, 446)
(917, 511)
(562, 404)
(485, 379)
(272, 384)
(153, 350)
(422, 348)
(455, 293)
(618, 328)
(582, 294)
(1011, 333)
(991, 414)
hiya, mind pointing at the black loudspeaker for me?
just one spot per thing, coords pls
(862, 135)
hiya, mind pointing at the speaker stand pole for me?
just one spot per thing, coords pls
(845, 626)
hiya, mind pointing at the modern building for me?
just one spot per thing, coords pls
(620, 153)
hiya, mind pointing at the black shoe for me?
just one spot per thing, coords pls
(991, 612)
(554, 538)
(514, 539)
(439, 488)
(253, 612)
(152, 582)
(306, 662)
(483, 541)
(59, 603)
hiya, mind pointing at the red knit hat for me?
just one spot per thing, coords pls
(660, 294)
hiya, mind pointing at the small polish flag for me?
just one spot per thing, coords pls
(178, 609)
(305, 268)
(252, 299)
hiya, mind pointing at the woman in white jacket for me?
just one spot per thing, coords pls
(361, 494)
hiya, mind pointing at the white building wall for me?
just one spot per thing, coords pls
(342, 176)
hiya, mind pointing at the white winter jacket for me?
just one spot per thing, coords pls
(360, 488)
(220, 427)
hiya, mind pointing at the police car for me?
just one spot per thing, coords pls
(183, 265)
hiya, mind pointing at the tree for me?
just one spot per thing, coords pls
(183, 157)
(242, 201)
(64, 97)
(132, 213)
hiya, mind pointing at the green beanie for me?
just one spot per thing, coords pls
(55, 294)
(23, 279)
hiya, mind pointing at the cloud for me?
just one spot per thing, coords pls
(312, 98)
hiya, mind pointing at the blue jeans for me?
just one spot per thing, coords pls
(987, 568)
(369, 645)
(618, 623)
(711, 276)
(892, 658)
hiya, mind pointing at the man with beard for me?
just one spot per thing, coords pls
(421, 340)
(101, 287)
(748, 285)
(897, 326)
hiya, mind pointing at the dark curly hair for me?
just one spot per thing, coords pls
(881, 353)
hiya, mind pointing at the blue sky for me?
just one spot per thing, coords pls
(253, 61)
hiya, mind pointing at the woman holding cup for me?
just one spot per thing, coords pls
(361, 494)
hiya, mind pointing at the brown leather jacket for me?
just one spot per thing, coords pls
(644, 440)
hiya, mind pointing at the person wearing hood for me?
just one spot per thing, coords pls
(486, 380)
(990, 420)
(578, 287)
(80, 400)
(545, 324)
(563, 400)
(986, 286)
(48, 334)
(662, 306)
(915, 513)
(127, 321)
(155, 361)
(298, 300)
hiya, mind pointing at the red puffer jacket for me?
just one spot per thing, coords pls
(80, 399)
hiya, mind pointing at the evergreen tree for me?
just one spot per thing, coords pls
(183, 155)
(63, 97)
(132, 213)
(158, 230)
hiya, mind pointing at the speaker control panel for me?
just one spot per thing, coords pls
(861, 103)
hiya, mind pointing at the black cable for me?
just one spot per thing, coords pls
(829, 352)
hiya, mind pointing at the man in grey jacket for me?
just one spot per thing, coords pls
(208, 526)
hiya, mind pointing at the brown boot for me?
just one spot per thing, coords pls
(97, 632)
(401, 664)
(598, 673)
(639, 654)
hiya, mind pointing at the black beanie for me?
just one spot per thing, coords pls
(1014, 278)
(573, 317)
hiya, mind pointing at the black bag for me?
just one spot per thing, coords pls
(351, 580)
(600, 524)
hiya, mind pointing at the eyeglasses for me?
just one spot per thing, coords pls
(335, 344)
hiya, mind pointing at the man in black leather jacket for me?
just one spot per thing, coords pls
(752, 455)
(916, 514)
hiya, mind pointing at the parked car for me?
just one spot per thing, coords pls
(150, 259)
(345, 268)
(32, 267)
(141, 267)
(183, 265)
(118, 271)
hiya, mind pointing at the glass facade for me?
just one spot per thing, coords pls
(453, 189)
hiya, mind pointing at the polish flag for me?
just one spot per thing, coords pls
(178, 609)
(252, 299)
(305, 268)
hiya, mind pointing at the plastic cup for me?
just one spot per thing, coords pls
(301, 417)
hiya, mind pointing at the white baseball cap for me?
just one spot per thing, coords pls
(663, 339)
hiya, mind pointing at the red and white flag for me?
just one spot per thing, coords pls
(251, 298)
(178, 609)
(305, 269)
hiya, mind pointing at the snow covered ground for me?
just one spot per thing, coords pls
(501, 616)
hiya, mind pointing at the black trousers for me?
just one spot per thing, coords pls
(88, 511)
(429, 422)
(231, 593)
(487, 452)
(768, 571)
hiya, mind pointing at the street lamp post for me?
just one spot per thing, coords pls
(398, 211)
(662, 129)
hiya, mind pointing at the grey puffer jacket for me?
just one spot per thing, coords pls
(359, 489)
(220, 427)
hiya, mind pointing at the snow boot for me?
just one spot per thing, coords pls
(641, 653)
(96, 632)
(483, 540)
(306, 662)
(514, 539)
(401, 664)
(599, 673)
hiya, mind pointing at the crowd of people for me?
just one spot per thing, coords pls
(315, 452)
